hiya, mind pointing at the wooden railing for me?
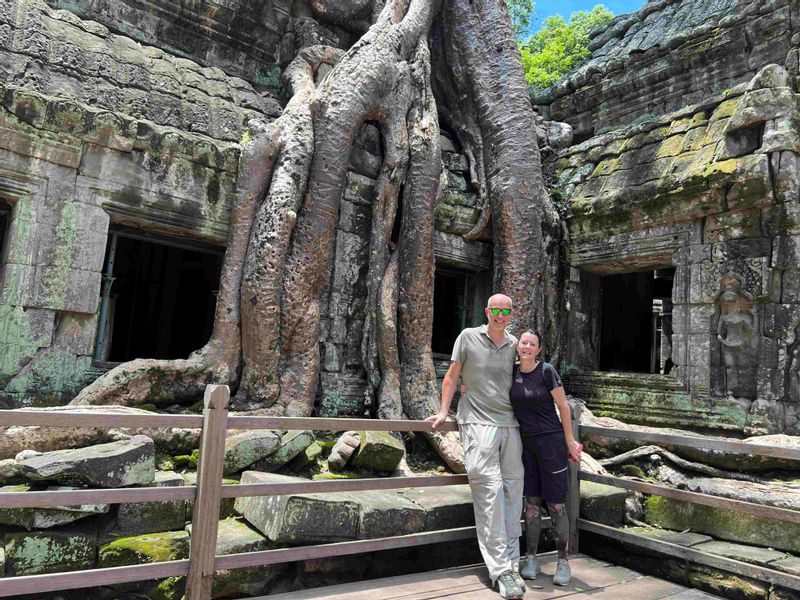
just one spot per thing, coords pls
(730, 565)
(209, 490)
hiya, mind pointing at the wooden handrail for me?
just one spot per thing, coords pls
(693, 442)
(749, 508)
(210, 490)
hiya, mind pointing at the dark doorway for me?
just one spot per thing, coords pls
(452, 302)
(633, 328)
(159, 296)
(5, 217)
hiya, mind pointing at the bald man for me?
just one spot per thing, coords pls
(484, 356)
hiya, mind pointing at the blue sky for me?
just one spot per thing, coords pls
(546, 8)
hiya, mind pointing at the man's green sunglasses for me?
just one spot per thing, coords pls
(504, 311)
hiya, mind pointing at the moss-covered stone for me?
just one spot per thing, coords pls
(602, 503)
(379, 451)
(141, 549)
(292, 444)
(722, 524)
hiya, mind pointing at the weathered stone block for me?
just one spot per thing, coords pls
(359, 189)
(226, 504)
(117, 464)
(136, 518)
(379, 450)
(750, 554)
(244, 448)
(291, 444)
(455, 162)
(299, 518)
(44, 518)
(724, 524)
(234, 536)
(54, 551)
(445, 506)
(602, 503)
(681, 538)
(388, 513)
(732, 225)
(790, 287)
(141, 549)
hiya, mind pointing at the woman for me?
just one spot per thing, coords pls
(536, 392)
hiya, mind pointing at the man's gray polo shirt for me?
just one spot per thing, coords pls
(487, 371)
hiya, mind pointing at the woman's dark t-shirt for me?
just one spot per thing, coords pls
(533, 404)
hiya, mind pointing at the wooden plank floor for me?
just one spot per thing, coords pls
(591, 580)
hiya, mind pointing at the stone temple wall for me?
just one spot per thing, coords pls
(667, 55)
(711, 190)
(98, 130)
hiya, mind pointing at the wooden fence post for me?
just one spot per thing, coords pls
(574, 495)
(205, 517)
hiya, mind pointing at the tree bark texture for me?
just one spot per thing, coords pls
(292, 175)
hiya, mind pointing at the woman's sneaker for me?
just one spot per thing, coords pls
(507, 587)
(530, 568)
(563, 572)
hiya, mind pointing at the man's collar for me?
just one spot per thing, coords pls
(484, 329)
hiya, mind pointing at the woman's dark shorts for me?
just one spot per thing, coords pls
(544, 457)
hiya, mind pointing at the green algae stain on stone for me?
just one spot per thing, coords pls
(48, 552)
(54, 377)
(270, 78)
(62, 263)
(19, 344)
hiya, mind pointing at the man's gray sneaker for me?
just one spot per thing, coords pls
(530, 568)
(563, 572)
(507, 587)
(518, 580)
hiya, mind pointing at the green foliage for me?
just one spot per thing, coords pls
(560, 46)
(521, 12)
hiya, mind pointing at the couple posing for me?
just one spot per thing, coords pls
(507, 419)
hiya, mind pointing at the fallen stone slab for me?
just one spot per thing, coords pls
(53, 551)
(236, 536)
(722, 524)
(116, 464)
(45, 518)
(603, 503)
(292, 444)
(247, 447)
(307, 457)
(386, 513)
(379, 451)
(299, 518)
(681, 538)
(789, 564)
(750, 554)
(446, 506)
(136, 518)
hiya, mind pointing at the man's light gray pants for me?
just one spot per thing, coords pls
(493, 459)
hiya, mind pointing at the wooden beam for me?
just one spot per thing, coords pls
(205, 519)
(730, 565)
(94, 496)
(692, 442)
(55, 582)
(338, 485)
(43, 418)
(749, 508)
(320, 424)
(574, 490)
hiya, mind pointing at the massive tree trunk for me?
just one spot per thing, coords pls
(292, 174)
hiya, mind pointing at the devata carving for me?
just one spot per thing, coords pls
(738, 336)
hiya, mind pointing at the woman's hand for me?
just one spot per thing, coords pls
(574, 450)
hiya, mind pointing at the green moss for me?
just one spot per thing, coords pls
(632, 471)
(148, 548)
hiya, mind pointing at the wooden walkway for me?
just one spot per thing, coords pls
(591, 580)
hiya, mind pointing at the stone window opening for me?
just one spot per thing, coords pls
(158, 296)
(636, 322)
